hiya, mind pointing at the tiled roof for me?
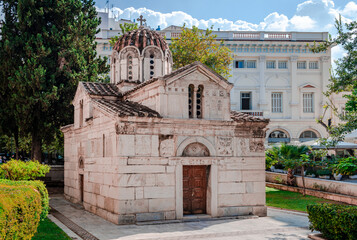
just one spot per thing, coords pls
(141, 38)
(101, 89)
(127, 108)
(245, 117)
(174, 73)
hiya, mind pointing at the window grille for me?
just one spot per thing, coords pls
(251, 64)
(283, 64)
(130, 67)
(199, 101)
(313, 65)
(190, 101)
(308, 102)
(308, 134)
(276, 102)
(301, 65)
(270, 64)
(152, 65)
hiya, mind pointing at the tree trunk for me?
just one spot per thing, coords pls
(16, 137)
(36, 146)
(290, 177)
(303, 180)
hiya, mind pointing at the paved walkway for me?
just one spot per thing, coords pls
(278, 225)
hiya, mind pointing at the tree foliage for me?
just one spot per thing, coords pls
(126, 27)
(46, 48)
(18, 170)
(199, 45)
(344, 78)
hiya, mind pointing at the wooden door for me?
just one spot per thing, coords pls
(194, 189)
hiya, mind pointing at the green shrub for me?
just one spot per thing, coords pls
(335, 222)
(39, 186)
(345, 166)
(20, 210)
(323, 172)
(20, 170)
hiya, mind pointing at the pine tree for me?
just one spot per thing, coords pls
(48, 47)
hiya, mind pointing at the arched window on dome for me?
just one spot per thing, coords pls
(152, 65)
(130, 67)
(199, 99)
(278, 136)
(114, 71)
(190, 100)
(307, 136)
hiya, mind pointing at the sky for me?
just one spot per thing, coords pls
(250, 15)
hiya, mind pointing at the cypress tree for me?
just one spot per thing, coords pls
(47, 47)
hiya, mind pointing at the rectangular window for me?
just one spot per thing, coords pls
(270, 64)
(251, 64)
(245, 99)
(276, 102)
(283, 64)
(313, 65)
(308, 102)
(239, 64)
(301, 65)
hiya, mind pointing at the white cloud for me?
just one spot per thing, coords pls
(350, 10)
(311, 15)
(302, 23)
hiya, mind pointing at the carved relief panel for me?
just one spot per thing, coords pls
(125, 128)
(167, 148)
(224, 146)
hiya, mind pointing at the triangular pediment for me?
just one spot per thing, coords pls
(200, 71)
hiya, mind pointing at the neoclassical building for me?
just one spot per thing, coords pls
(156, 144)
(274, 75)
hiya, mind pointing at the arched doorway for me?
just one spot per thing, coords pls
(195, 179)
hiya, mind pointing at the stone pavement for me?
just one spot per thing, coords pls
(278, 225)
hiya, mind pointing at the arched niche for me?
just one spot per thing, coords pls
(205, 142)
(195, 150)
(129, 58)
(153, 62)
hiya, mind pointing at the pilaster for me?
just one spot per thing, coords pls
(294, 102)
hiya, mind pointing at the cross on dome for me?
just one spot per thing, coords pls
(141, 20)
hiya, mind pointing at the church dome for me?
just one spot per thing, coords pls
(141, 38)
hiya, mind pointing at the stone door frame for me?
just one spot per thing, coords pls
(212, 185)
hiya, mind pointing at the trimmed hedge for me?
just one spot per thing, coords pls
(39, 186)
(335, 222)
(20, 210)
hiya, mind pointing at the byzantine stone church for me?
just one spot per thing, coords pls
(157, 144)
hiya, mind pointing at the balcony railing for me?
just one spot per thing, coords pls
(253, 113)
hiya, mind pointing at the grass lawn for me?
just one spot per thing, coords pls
(47, 230)
(291, 200)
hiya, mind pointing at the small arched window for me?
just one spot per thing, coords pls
(307, 136)
(190, 100)
(130, 67)
(81, 162)
(199, 98)
(278, 136)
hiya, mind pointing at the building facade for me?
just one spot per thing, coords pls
(156, 144)
(275, 75)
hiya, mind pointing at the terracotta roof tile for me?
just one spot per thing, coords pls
(141, 38)
(101, 89)
(127, 108)
(245, 117)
